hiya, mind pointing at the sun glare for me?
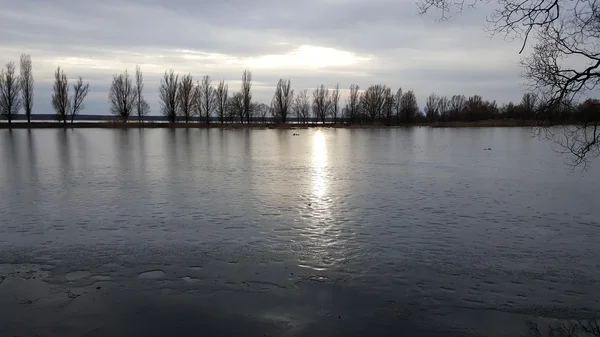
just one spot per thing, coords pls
(307, 57)
(319, 164)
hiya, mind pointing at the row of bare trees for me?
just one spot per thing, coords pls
(126, 98)
(375, 104)
(186, 100)
(65, 106)
(16, 91)
(183, 99)
(474, 108)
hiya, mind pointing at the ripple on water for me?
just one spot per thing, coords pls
(188, 279)
(78, 275)
(101, 278)
(152, 274)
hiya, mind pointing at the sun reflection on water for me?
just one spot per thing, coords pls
(319, 164)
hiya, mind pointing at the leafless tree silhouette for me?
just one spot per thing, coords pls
(443, 108)
(168, 95)
(27, 85)
(353, 103)
(529, 105)
(456, 106)
(80, 91)
(236, 105)
(321, 103)
(221, 99)
(10, 102)
(142, 107)
(409, 107)
(262, 110)
(388, 106)
(302, 106)
(185, 97)
(122, 96)
(431, 107)
(282, 100)
(247, 93)
(397, 104)
(564, 63)
(60, 97)
(373, 101)
(207, 98)
(335, 102)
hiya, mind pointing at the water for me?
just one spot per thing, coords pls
(258, 232)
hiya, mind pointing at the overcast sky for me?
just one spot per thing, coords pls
(311, 42)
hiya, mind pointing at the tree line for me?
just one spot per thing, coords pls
(182, 99)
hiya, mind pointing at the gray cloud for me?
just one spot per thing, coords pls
(370, 41)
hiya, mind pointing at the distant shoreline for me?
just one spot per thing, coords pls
(196, 125)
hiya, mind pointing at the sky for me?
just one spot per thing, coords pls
(310, 42)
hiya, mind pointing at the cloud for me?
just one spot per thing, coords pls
(311, 42)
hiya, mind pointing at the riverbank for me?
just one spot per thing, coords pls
(194, 125)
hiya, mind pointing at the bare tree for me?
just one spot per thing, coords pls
(397, 104)
(142, 107)
(388, 106)
(122, 96)
(301, 106)
(10, 102)
(27, 85)
(456, 106)
(282, 100)
(443, 108)
(528, 106)
(564, 63)
(168, 95)
(236, 105)
(60, 97)
(431, 107)
(80, 91)
(262, 111)
(373, 101)
(221, 99)
(353, 103)
(185, 97)
(321, 103)
(207, 98)
(335, 102)
(246, 92)
(409, 107)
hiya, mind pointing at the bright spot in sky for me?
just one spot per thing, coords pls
(308, 57)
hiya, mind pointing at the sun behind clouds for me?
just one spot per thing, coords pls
(307, 56)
